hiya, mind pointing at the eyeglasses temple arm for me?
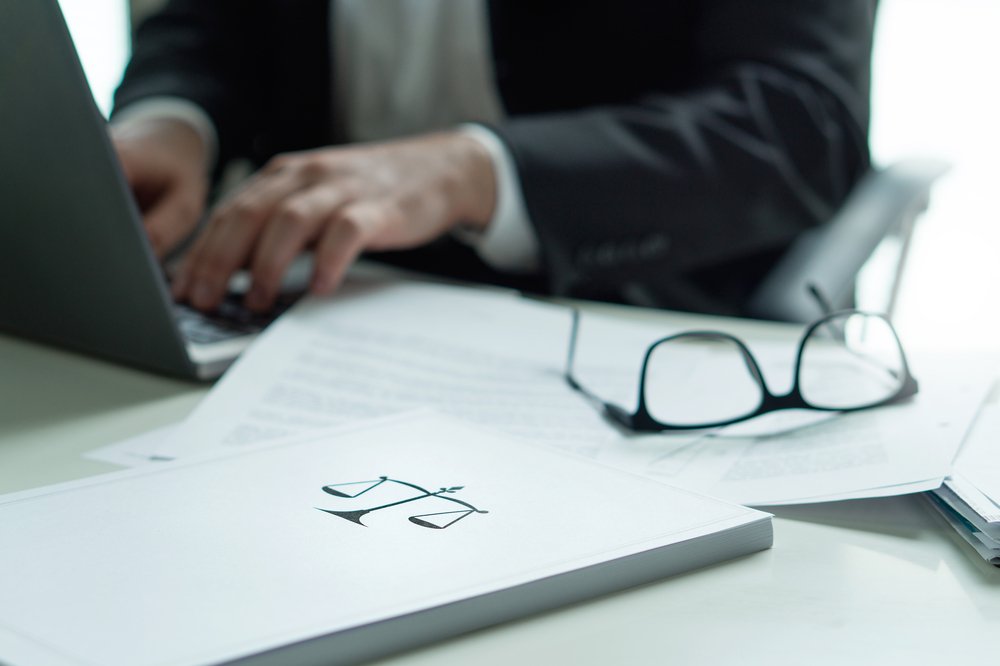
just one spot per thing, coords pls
(824, 303)
(571, 351)
(615, 412)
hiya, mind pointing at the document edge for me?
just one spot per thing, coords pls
(404, 632)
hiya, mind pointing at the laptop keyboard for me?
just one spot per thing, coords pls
(230, 320)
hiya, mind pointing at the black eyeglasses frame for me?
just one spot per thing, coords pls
(642, 421)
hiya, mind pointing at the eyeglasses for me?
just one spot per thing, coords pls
(846, 361)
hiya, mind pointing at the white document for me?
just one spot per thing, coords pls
(978, 462)
(892, 450)
(953, 500)
(974, 498)
(352, 544)
(498, 360)
(135, 451)
(486, 357)
(881, 491)
(987, 548)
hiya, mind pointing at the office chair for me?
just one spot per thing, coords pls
(829, 257)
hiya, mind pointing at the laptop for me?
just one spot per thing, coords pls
(76, 269)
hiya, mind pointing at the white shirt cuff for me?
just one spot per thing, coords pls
(509, 243)
(173, 108)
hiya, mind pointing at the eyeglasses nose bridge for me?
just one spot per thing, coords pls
(790, 400)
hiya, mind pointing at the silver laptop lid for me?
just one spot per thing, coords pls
(75, 267)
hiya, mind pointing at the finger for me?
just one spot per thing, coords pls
(295, 224)
(229, 238)
(172, 218)
(162, 201)
(180, 280)
(353, 230)
(125, 161)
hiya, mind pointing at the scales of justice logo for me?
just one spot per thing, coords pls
(437, 520)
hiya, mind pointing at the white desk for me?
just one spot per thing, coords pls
(865, 582)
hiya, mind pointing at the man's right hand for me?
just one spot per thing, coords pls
(166, 165)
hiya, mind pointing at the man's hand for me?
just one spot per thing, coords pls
(165, 163)
(339, 201)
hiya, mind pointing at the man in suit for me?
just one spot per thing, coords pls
(657, 153)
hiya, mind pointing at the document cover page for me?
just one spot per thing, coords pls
(336, 547)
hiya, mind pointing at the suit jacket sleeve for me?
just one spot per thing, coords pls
(684, 196)
(259, 68)
(671, 181)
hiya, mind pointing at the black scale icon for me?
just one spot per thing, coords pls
(438, 520)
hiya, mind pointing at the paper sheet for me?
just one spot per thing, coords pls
(979, 461)
(497, 360)
(485, 357)
(211, 559)
(892, 450)
(134, 451)
(968, 532)
(946, 495)
(986, 508)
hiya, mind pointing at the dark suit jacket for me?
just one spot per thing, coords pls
(668, 150)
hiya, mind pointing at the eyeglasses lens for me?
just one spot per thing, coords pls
(697, 379)
(850, 361)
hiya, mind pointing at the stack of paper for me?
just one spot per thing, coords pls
(497, 360)
(336, 547)
(970, 498)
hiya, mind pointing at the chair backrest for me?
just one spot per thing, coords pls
(830, 256)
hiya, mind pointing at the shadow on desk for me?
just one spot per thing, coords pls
(40, 385)
(906, 518)
(896, 516)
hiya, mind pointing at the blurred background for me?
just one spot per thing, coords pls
(936, 93)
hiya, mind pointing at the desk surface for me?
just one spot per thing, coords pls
(871, 581)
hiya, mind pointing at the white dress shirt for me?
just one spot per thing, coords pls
(404, 67)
